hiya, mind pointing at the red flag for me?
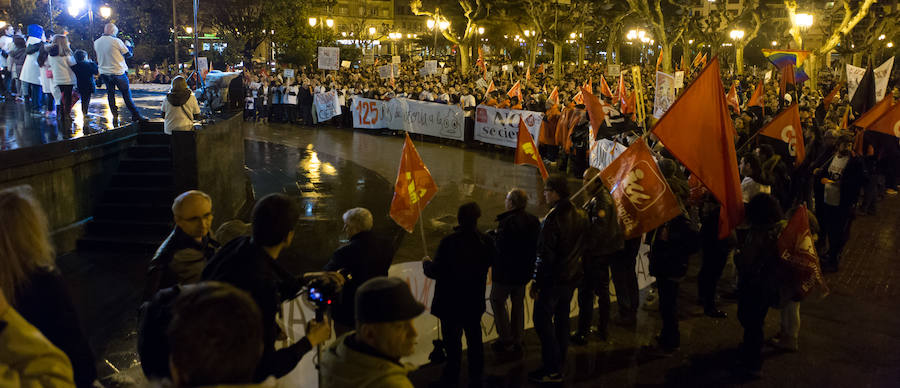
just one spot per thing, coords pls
(579, 98)
(659, 61)
(630, 104)
(643, 199)
(589, 85)
(480, 61)
(697, 59)
(787, 78)
(830, 96)
(515, 90)
(490, 89)
(889, 122)
(707, 150)
(703, 60)
(797, 252)
(414, 188)
(758, 97)
(732, 100)
(526, 150)
(594, 108)
(528, 74)
(604, 88)
(875, 113)
(620, 91)
(554, 95)
(787, 128)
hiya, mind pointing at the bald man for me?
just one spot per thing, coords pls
(181, 257)
(111, 56)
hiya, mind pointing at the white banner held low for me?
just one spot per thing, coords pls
(427, 118)
(326, 105)
(501, 126)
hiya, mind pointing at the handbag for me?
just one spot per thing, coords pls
(49, 74)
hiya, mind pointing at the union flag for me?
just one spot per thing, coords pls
(527, 151)
(604, 88)
(758, 97)
(732, 100)
(554, 95)
(643, 199)
(889, 122)
(414, 188)
(799, 262)
(786, 128)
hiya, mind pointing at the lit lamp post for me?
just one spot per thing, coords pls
(434, 24)
(738, 36)
(804, 21)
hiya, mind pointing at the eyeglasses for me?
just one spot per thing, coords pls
(207, 216)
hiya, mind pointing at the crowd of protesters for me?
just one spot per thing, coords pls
(197, 277)
(40, 70)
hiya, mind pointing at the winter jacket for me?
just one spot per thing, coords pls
(516, 242)
(245, 265)
(460, 267)
(84, 74)
(757, 262)
(27, 359)
(45, 303)
(31, 72)
(178, 260)
(605, 236)
(672, 245)
(348, 363)
(61, 67)
(18, 56)
(365, 257)
(559, 246)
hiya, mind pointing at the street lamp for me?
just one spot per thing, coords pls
(736, 35)
(313, 21)
(372, 31)
(75, 7)
(444, 24)
(774, 43)
(189, 30)
(105, 12)
(329, 23)
(890, 44)
(881, 37)
(803, 20)
(430, 24)
(480, 30)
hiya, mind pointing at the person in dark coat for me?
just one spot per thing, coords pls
(516, 242)
(85, 70)
(305, 102)
(558, 271)
(757, 285)
(715, 255)
(838, 183)
(248, 263)
(34, 286)
(460, 268)
(365, 257)
(604, 240)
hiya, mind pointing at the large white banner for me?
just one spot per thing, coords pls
(882, 76)
(327, 105)
(665, 93)
(854, 75)
(329, 58)
(427, 118)
(501, 126)
(298, 312)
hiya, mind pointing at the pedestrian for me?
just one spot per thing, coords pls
(290, 101)
(305, 101)
(52, 95)
(6, 45)
(558, 271)
(17, 60)
(840, 180)
(460, 269)
(604, 239)
(85, 70)
(516, 242)
(34, 285)
(715, 254)
(31, 71)
(364, 257)
(111, 56)
(61, 61)
(180, 107)
(757, 284)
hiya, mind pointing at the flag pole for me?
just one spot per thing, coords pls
(421, 222)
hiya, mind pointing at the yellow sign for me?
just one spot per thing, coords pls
(638, 86)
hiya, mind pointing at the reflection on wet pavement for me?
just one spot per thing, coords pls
(20, 128)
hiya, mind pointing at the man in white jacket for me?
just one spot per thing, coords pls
(31, 72)
(111, 56)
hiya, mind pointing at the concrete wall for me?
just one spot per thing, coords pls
(67, 177)
(212, 160)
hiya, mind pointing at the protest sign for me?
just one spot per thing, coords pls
(665, 93)
(326, 105)
(345, 64)
(501, 126)
(882, 76)
(329, 58)
(395, 59)
(288, 73)
(613, 70)
(679, 79)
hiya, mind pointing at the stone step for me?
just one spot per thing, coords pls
(148, 164)
(142, 179)
(140, 195)
(127, 228)
(153, 138)
(134, 244)
(150, 151)
(133, 212)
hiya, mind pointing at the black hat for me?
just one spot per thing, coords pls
(559, 184)
(386, 299)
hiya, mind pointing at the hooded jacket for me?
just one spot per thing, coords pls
(345, 364)
(31, 72)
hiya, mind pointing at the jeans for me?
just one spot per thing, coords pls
(715, 255)
(34, 91)
(452, 332)
(509, 332)
(670, 336)
(835, 223)
(119, 81)
(551, 322)
(595, 282)
(85, 100)
(624, 278)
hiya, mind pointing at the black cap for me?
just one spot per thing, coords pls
(386, 299)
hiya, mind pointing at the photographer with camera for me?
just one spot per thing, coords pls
(111, 56)
(365, 257)
(248, 263)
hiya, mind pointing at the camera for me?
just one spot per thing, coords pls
(322, 292)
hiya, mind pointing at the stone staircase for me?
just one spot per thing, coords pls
(134, 214)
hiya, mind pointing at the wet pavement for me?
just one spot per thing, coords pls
(850, 338)
(20, 128)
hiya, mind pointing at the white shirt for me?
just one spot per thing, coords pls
(62, 72)
(5, 41)
(832, 194)
(750, 188)
(177, 118)
(110, 55)
(290, 95)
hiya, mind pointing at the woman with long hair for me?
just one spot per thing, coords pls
(32, 283)
(180, 107)
(61, 62)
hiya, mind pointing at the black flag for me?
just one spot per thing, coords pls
(864, 98)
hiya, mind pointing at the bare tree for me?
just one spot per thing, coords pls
(473, 11)
(665, 32)
(555, 21)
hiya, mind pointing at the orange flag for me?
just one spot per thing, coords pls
(797, 255)
(589, 85)
(707, 150)
(875, 113)
(490, 89)
(697, 59)
(643, 199)
(554, 95)
(758, 97)
(787, 128)
(528, 74)
(846, 119)
(604, 88)
(732, 100)
(579, 98)
(889, 122)
(515, 90)
(703, 60)
(414, 188)
(830, 96)
(594, 108)
(620, 91)
(659, 61)
(540, 69)
(683, 63)
(526, 150)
